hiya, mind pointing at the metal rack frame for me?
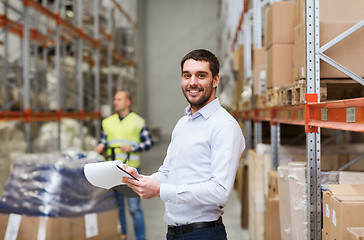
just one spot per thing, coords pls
(347, 115)
(63, 33)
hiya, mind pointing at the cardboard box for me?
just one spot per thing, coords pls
(347, 177)
(241, 70)
(258, 57)
(356, 233)
(349, 52)
(326, 215)
(236, 60)
(240, 80)
(284, 212)
(279, 66)
(273, 184)
(245, 199)
(298, 199)
(299, 15)
(346, 209)
(332, 10)
(238, 184)
(279, 23)
(273, 227)
(258, 67)
(256, 195)
(338, 10)
(299, 53)
(104, 226)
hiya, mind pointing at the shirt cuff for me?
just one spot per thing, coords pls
(168, 192)
(134, 147)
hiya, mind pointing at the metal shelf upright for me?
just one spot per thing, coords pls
(44, 26)
(347, 115)
(313, 139)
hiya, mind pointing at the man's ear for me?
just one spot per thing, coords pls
(129, 103)
(216, 81)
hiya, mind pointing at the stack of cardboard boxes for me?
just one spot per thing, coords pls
(279, 26)
(342, 205)
(287, 187)
(256, 164)
(343, 211)
(101, 226)
(272, 223)
(293, 196)
(335, 17)
(240, 80)
(283, 57)
(48, 197)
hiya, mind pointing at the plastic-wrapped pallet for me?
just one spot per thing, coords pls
(54, 185)
(70, 132)
(284, 212)
(298, 199)
(12, 144)
(256, 196)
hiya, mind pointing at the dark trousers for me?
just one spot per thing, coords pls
(209, 233)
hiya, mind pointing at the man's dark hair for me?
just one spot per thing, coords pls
(203, 55)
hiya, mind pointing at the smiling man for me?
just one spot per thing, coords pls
(198, 172)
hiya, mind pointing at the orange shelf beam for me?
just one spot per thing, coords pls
(29, 116)
(73, 30)
(294, 115)
(13, 27)
(69, 28)
(345, 115)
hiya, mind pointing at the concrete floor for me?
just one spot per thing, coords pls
(154, 208)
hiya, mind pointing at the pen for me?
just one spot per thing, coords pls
(126, 172)
(127, 158)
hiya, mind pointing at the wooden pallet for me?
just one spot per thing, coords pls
(271, 97)
(338, 89)
(260, 101)
(294, 93)
(246, 105)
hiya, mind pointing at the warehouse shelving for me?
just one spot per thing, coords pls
(344, 115)
(72, 47)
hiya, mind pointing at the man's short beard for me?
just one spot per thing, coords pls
(202, 102)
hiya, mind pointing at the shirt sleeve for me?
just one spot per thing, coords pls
(146, 141)
(103, 138)
(226, 149)
(161, 175)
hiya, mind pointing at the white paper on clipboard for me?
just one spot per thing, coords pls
(105, 174)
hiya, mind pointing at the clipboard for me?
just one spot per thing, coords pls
(126, 172)
(108, 175)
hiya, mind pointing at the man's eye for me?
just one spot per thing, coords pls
(186, 75)
(201, 75)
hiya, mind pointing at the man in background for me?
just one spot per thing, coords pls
(125, 133)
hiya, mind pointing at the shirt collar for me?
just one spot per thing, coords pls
(206, 111)
(121, 118)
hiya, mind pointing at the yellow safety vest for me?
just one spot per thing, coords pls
(123, 133)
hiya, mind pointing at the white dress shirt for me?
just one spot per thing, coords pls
(198, 173)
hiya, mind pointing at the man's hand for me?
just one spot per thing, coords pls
(99, 148)
(125, 148)
(145, 187)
